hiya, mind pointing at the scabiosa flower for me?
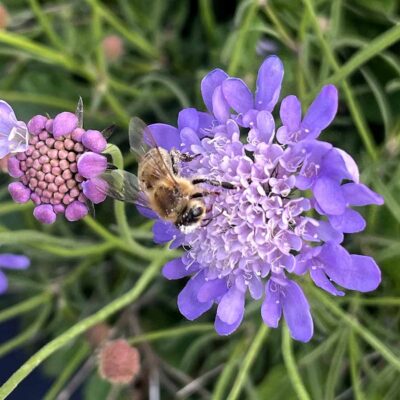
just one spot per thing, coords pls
(11, 261)
(55, 171)
(287, 216)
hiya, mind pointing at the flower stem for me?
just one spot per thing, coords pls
(293, 373)
(352, 103)
(173, 332)
(361, 330)
(70, 334)
(237, 53)
(27, 334)
(248, 362)
(77, 358)
(25, 306)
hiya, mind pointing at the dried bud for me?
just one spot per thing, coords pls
(98, 334)
(4, 17)
(113, 48)
(119, 362)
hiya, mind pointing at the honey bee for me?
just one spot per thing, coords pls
(158, 184)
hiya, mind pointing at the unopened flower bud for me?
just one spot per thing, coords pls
(98, 334)
(113, 48)
(119, 363)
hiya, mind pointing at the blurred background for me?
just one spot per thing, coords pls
(147, 58)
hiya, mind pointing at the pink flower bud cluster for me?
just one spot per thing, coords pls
(56, 169)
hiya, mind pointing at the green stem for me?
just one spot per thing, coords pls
(138, 41)
(280, 28)
(237, 54)
(248, 362)
(173, 332)
(27, 334)
(228, 370)
(76, 330)
(119, 206)
(362, 331)
(290, 363)
(75, 361)
(375, 46)
(46, 25)
(354, 370)
(25, 306)
(9, 207)
(352, 103)
(208, 19)
(44, 53)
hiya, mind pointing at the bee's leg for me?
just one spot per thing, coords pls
(211, 218)
(199, 195)
(214, 182)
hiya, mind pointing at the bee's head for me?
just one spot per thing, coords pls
(191, 216)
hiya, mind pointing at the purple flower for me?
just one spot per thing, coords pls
(10, 261)
(258, 239)
(57, 169)
(13, 134)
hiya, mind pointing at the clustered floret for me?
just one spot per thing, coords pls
(287, 216)
(56, 169)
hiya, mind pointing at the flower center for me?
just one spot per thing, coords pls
(50, 169)
(249, 230)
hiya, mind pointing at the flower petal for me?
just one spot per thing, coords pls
(290, 113)
(296, 311)
(321, 112)
(321, 280)
(164, 231)
(328, 194)
(3, 282)
(91, 164)
(45, 214)
(357, 194)
(269, 81)
(271, 309)
(350, 164)
(220, 106)
(177, 269)
(94, 141)
(209, 84)
(265, 126)
(188, 118)
(237, 95)
(354, 272)
(188, 304)
(19, 192)
(14, 261)
(224, 329)
(76, 211)
(166, 136)
(91, 190)
(64, 123)
(231, 305)
(37, 124)
(212, 289)
(349, 222)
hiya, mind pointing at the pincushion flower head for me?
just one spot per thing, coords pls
(56, 165)
(292, 201)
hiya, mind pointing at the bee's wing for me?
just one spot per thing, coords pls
(141, 140)
(121, 185)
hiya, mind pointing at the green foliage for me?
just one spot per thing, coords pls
(106, 269)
